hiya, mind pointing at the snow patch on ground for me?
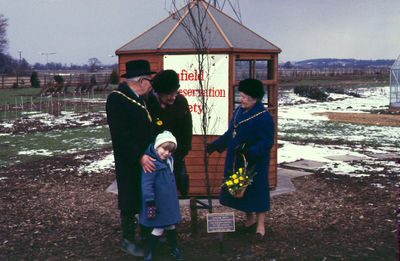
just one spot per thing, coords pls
(298, 121)
(98, 166)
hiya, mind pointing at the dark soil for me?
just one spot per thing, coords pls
(54, 215)
(49, 211)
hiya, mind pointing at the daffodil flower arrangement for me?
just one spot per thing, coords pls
(237, 183)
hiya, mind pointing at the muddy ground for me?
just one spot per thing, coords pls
(49, 211)
(50, 215)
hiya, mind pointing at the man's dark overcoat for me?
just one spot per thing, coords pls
(131, 133)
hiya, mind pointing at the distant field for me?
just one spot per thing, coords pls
(16, 96)
(354, 83)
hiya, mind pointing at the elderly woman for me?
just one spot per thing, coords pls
(250, 133)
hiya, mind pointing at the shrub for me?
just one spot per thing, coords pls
(59, 79)
(314, 93)
(15, 85)
(114, 77)
(93, 80)
(335, 89)
(354, 94)
(341, 90)
(35, 82)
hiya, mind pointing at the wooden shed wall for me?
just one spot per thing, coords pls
(194, 160)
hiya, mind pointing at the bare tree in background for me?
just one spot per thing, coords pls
(94, 64)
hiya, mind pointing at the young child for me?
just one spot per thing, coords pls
(160, 207)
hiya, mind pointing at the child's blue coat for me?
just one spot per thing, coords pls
(160, 186)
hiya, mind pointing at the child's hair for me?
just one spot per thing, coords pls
(168, 145)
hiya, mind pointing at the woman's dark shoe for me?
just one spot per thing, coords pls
(250, 229)
(259, 236)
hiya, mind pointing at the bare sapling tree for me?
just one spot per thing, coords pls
(193, 21)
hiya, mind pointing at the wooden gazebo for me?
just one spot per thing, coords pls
(242, 53)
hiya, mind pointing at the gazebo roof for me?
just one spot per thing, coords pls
(222, 32)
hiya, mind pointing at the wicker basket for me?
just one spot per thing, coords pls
(239, 194)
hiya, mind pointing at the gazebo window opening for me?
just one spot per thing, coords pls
(258, 69)
(262, 70)
(244, 69)
(265, 100)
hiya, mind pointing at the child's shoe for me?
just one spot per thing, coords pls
(172, 240)
(177, 254)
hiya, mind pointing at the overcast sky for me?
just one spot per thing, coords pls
(77, 30)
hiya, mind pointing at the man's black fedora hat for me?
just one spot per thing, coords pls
(137, 68)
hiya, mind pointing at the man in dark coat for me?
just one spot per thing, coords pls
(131, 131)
(170, 111)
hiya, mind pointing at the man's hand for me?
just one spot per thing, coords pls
(147, 164)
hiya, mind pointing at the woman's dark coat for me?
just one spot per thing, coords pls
(175, 118)
(258, 135)
(131, 133)
(160, 186)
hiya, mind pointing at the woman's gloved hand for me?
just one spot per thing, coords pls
(210, 148)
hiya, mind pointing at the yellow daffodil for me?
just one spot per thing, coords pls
(238, 181)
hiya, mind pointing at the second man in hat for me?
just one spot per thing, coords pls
(170, 111)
